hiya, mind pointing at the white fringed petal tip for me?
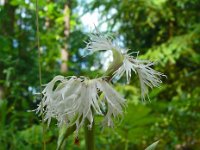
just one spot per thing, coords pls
(76, 99)
(100, 42)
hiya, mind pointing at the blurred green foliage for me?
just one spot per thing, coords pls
(166, 31)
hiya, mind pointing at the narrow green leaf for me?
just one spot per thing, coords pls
(152, 146)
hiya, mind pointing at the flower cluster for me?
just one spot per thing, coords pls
(75, 99)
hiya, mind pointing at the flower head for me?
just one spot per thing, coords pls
(148, 77)
(124, 63)
(76, 99)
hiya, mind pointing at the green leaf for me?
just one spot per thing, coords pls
(27, 135)
(152, 146)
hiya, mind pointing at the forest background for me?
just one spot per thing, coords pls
(166, 31)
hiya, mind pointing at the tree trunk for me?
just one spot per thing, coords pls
(64, 50)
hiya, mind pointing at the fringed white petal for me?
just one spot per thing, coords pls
(126, 68)
(148, 77)
(99, 42)
(114, 102)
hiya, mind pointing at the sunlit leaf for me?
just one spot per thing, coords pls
(152, 146)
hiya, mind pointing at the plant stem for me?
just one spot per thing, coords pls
(89, 136)
(40, 72)
(126, 145)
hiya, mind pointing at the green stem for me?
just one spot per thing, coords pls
(89, 136)
(126, 145)
(115, 64)
(40, 72)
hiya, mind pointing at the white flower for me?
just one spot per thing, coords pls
(77, 99)
(148, 77)
(124, 63)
